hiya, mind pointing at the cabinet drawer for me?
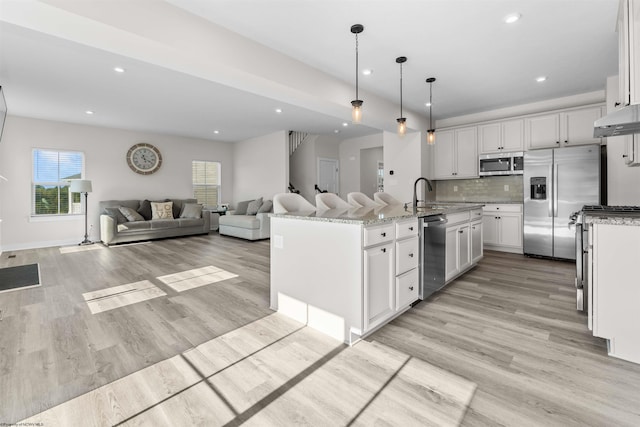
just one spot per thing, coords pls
(503, 208)
(476, 214)
(406, 255)
(378, 234)
(407, 287)
(456, 218)
(406, 228)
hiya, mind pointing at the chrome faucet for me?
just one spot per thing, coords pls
(415, 191)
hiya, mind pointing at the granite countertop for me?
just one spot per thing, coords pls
(368, 216)
(613, 219)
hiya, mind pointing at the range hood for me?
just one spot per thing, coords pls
(622, 122)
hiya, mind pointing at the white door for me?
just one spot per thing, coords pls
(328, 175)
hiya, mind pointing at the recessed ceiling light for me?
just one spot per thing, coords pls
(510, 19)
(118, 69)
(541, 79)
(345, 124)
(89, 112)
(216, 132)
(336, 131)
(428, 104)
(367, 71)
(278, 110)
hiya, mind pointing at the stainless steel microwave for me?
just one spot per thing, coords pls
(501, 164)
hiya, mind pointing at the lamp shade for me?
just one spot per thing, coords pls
(81, 186)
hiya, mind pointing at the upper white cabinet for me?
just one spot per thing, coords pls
(456, 154)
(561, 129)
(501, 136)
(629, 52)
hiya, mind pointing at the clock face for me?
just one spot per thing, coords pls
(144, 158)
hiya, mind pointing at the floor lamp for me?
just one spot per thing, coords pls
(83, 186)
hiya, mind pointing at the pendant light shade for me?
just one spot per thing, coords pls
(356, 104)
(431, 133)
(402, 121)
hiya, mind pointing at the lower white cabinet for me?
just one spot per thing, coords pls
(380, 284)
(463, 243)
(614, 294)
(476, 241)
(502, 224)
(391, 257)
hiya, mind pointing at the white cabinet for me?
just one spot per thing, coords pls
(456, 154)
(631, 154)
(459, 255)
(501, 136)
(615, 293)
(407, 260)
(629, 52)
(502, 225)
(476, 241)
(561, 129)
(379, 284)
(390, 258)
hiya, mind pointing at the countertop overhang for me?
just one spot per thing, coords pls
(378, 215)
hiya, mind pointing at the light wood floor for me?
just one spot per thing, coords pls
(508, 326)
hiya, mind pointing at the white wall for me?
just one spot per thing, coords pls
(404, 157)
(105, 165)
(260, 167)
(349, 151)
(623, 182)
(303, 167)
(369, 158)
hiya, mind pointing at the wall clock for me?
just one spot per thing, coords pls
(144, 158)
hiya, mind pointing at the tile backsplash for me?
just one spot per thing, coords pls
(487, 189)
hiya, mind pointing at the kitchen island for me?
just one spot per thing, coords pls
(614, 287)
(348, 272)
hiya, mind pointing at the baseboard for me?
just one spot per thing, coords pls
(38, 245)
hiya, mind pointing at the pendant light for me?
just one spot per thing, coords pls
(402, 122)
(431, 133)
(356, 110)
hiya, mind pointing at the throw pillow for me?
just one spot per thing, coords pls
(267, 206)
(145, 209)
(161, 210)
(177, 207)
(130, 214)
(241, 208)
(120, 219)
(254, 206)
(191, 210)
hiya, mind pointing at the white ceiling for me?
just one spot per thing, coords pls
(480, 62)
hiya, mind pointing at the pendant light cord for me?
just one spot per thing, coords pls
(401, 90)
(430, 104)
(357, 66)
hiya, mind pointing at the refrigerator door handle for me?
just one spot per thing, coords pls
(555, 190)
(551, 191)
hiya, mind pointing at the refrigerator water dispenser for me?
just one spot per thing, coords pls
(538, 187)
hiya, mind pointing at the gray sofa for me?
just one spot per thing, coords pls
(250, 220)
(115, 228)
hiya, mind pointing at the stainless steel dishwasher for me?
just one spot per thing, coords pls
(433, 253)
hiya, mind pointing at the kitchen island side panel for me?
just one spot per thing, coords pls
(319, 265)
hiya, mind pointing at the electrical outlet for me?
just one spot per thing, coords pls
(506, 187)
(455, 188)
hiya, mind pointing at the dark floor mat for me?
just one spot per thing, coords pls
(23, 276)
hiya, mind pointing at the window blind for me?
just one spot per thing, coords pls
(52, 171)
(206, 182)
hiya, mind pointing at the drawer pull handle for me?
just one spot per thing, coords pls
(410, 228)
(383, 234)
(460, 231)
(384, 249)
(410, 288)
(410, 255)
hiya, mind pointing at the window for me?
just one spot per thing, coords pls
(52, 171)
(206, 182)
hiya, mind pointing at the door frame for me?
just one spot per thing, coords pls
(336, 162)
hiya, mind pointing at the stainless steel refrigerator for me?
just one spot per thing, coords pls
(557, 183)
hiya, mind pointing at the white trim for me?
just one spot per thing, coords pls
(41, 244)
(55, 218)
(524, 109)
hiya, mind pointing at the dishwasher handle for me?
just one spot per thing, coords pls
(434, 222)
